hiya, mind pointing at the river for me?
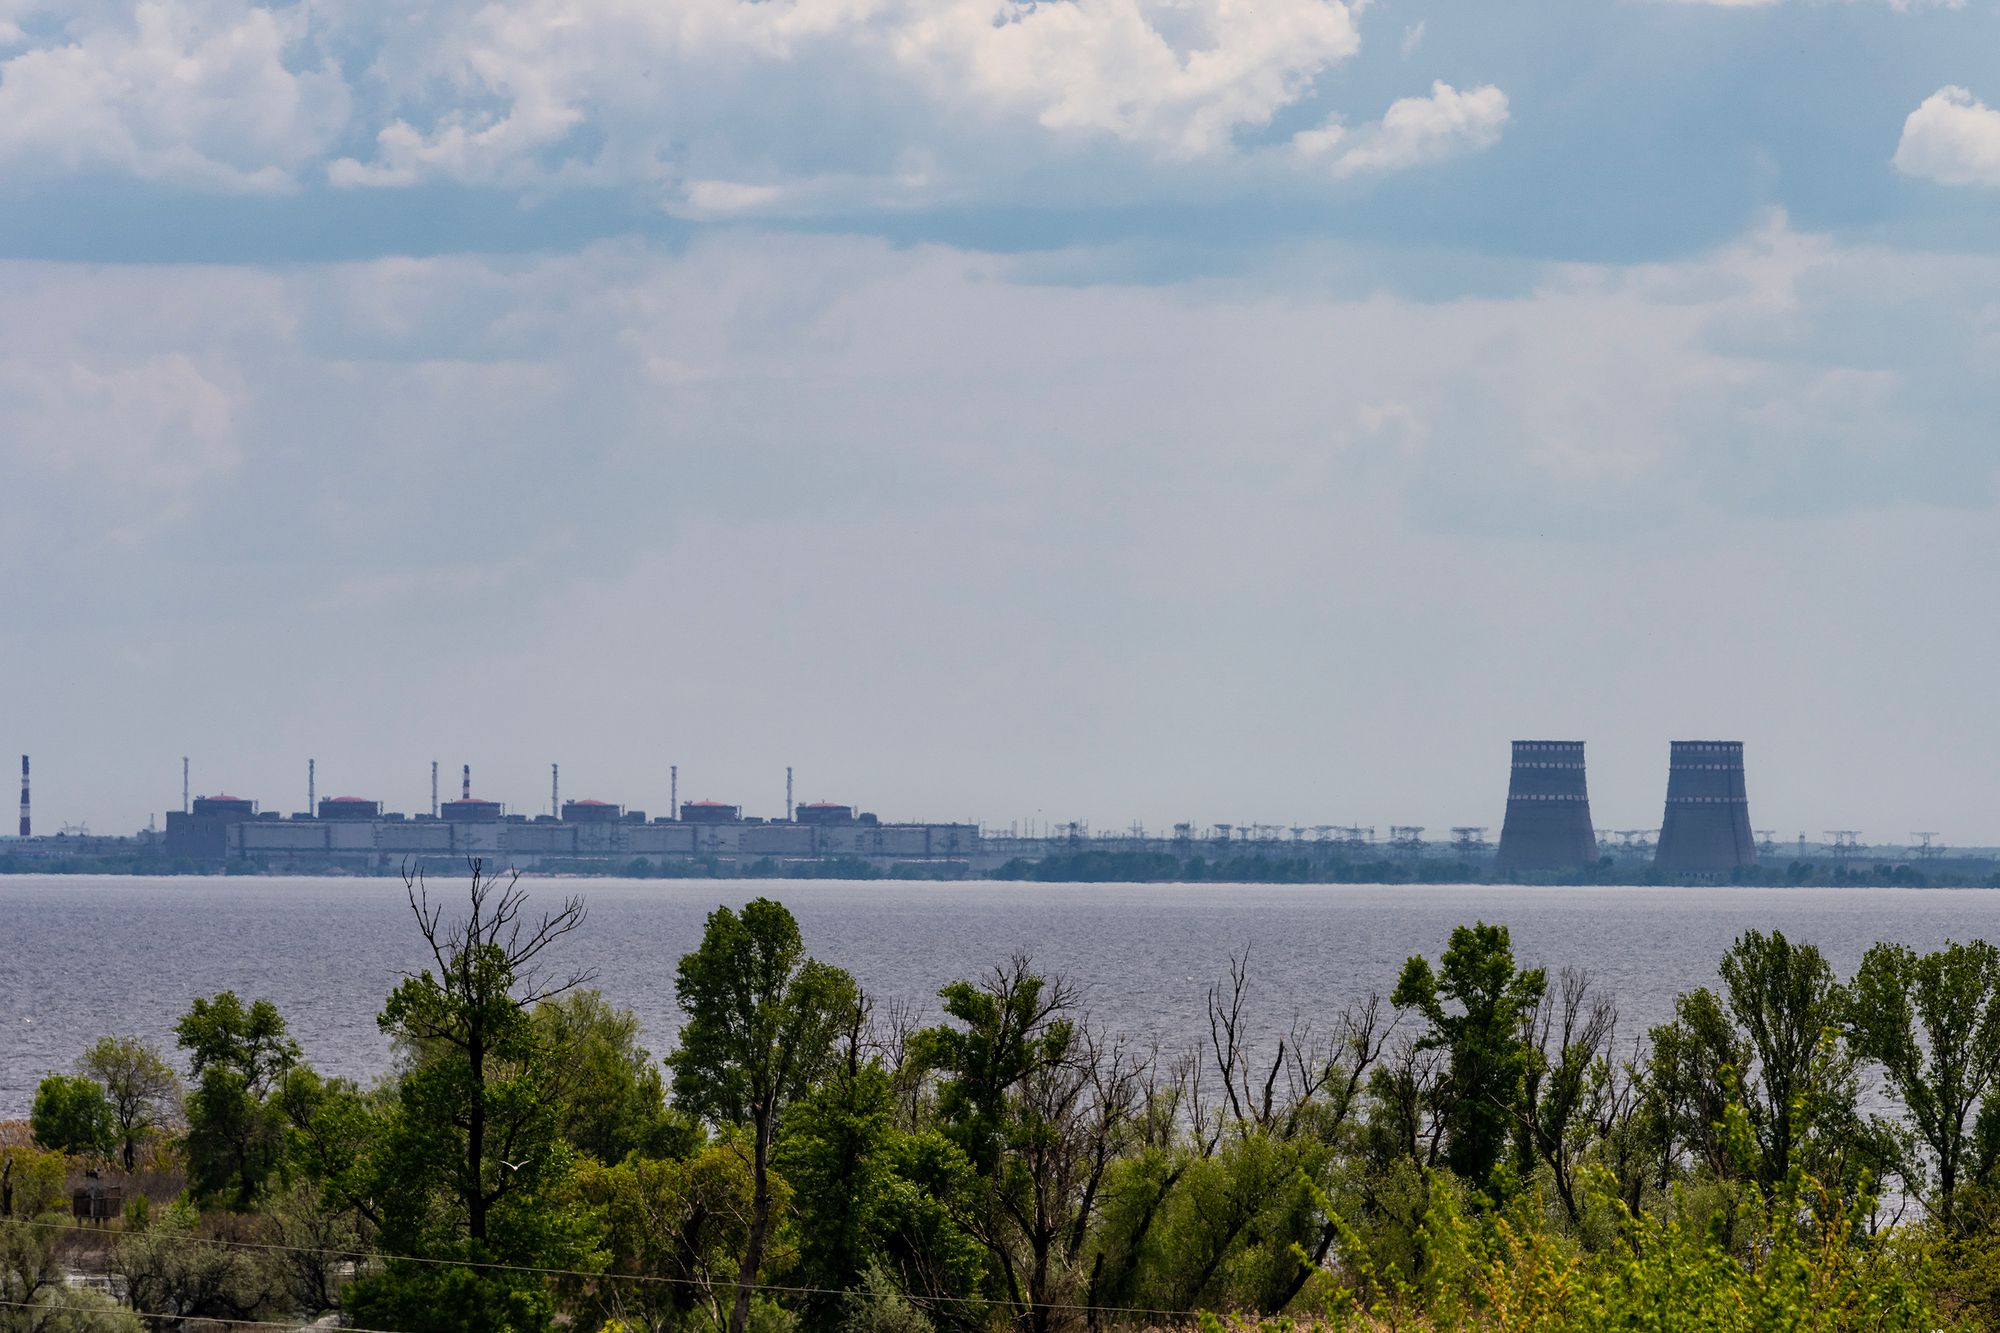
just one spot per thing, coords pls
(82, 956)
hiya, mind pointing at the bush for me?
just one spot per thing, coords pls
(72, 1115)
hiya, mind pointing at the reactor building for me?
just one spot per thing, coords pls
(1548, 810)
(1706, 827)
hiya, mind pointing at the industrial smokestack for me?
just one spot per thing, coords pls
(555, 791)
(465, 786)
(1706, 827)
(788, 793)
(1548, 809)
(27, 822)
(673, 791)
(184, 784)
(434, 788)
(312, 786)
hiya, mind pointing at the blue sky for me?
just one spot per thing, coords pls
(1117, 409)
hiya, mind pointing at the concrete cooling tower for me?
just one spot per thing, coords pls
(1706, 829)
(1548, 810)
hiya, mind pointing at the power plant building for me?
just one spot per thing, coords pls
(1548, 810)
(1706, 827)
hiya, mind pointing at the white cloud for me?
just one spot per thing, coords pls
(1953, 138)
(1413, 132)
(1413, 37)
(222, 93)
(680, 96)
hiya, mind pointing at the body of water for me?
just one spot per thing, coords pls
(82, 957)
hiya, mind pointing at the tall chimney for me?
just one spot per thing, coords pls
(312, 786)
(27, 823)
(1548, 810)
(434, 788)
(184, 784)
(555, 791)
(1706, 827)
(788, 793)
(465, 787)
(673, 791)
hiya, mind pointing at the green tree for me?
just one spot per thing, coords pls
(1040, 1108)
(611, 1095)
(836, 1154)
(1799, 1091)
(671, 1232)
(1932, 1022)
(141, 1086)
(1689, 1081)
(1477, 1004)
(471, 1157)
(35, 1295)
(762, 1021)
(71, 1115)
(237, 1055)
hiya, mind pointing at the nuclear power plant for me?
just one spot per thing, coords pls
(1547, 836)
(1706, 827)
(1548, 810)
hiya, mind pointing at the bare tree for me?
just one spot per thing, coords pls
(1571, 1030)
(466, 1029)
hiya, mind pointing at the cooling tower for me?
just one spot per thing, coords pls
(1706, 829)
(1548, 810)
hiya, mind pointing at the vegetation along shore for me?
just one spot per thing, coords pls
(1478, 1145)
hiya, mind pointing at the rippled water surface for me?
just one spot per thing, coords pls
(81, 957)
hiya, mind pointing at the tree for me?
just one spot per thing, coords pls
(1690, 1080)
(1568, 1079)
(611, 1095)
(762, 1019)
(677, 1227)
(1481, 1033)
(476, 1086)
(1800, 1092)
(237, 1057)
(140, 1085)
(835, 1153)
(469, 1163)
(1040, 1107)
(1932, 1021)
(71, 1115)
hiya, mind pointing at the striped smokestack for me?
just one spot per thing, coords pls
(465, 787)
(1548, 809)
(1706, 828)
(27, 822)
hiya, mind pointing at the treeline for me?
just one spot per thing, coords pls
(1479, 1148)
(1098, 866)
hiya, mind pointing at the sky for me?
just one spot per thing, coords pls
(1125, 411)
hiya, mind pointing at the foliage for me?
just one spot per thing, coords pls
(1932, 1022)
(32, 1181)
(470, 1160)
(1811, 1267)
(178, 1267)
(140, 1085)
(762, 1019)
(611, 1096)
(237, 1056)
(1487, 1158)
(671, 1231)
(71, 1115)
(1476, 1003)
(1800, 1089)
